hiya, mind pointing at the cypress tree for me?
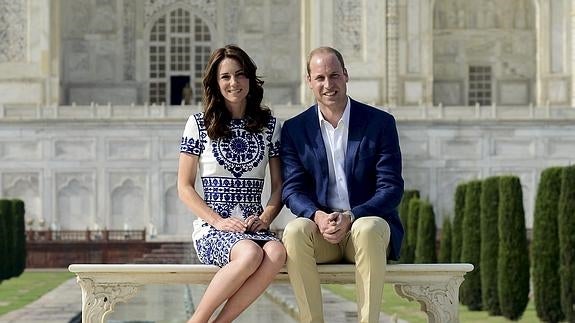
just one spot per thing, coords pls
(489, 244)
(445, 244)
(6, 237)
(545, 247)
(426, 232)
(412, 222)
(513, 262)
(456, 229)
(471, 248)
(19, 238)
(404, 216)
(566, 225)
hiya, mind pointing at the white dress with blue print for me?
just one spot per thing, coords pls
(232, 170)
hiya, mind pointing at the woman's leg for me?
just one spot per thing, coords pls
(246, 257)
(273, 260)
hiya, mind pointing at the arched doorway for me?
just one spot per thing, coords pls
(179, 46)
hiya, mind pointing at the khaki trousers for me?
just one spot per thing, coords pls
(365, 245)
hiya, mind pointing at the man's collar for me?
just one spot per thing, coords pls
(344, 118)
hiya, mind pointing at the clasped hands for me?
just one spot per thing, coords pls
(252, 223)
(333, 226)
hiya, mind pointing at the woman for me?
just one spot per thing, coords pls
(230, 143)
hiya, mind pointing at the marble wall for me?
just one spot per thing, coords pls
(94, 167)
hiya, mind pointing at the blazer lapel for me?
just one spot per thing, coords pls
(355, 134)
(315, 137)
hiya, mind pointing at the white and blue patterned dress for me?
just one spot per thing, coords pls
(232, 170)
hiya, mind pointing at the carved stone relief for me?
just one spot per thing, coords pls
(104, 16)
(75, 201)
(79, 149)
(232, 21)
(24, 186)
(251, 19)
(78, 15)
(208, 7)
(450, 178)
(77, 60)
(177, 218)
(120, 149)
(20, 150)
(13, 20)
(129, 39)
(348, 23)
(100, 298)
(447, 92)
(128, 201)
(488, 14)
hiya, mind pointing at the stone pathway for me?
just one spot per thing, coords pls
(65, 302)
(58, 306)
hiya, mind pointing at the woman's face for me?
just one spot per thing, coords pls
(233, 82)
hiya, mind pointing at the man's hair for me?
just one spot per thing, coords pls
(325, 49)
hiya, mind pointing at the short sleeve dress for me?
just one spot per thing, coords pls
(232, 171)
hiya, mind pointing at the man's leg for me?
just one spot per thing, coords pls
(305, 248)
(367, 247)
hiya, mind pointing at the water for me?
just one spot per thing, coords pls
(175, 303)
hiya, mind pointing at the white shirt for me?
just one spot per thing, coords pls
(335, 141)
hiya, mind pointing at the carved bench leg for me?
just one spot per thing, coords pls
(98, 299)
(439, 300)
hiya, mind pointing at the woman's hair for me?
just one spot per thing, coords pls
(216, 115)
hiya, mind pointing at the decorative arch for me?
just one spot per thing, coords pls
(179, 41)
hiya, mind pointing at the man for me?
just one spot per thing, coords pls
(341, 167)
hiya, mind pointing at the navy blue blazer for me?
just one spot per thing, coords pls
(372, 167)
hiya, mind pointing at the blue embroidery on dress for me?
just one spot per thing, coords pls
(223, 194)
(273, 147)
(195, 146)
(240, 152)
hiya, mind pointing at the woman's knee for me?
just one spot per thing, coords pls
(247, 253)
(276, 252)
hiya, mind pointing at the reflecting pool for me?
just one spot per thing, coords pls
(175, 303)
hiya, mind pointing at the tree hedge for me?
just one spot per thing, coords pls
(445, 243)
(425, 252)
(404, 216)
(489, 202)
(412, 222)
(6, 234)
(545, 247)
(566, 223)
(18, 212)
(513, 262)
(471, 246)
(456, 228)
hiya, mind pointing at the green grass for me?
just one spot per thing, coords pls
(410, 311)
(31, 285)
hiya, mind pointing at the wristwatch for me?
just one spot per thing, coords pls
(351, 215)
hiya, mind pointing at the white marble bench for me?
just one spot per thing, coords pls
(434, 286)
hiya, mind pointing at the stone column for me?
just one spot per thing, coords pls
(392, 52)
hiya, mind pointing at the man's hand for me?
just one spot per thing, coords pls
(332, 226)
(255, 224)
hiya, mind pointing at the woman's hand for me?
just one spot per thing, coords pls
(231, 224)
(255, 224)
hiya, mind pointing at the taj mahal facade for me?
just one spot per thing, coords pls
(94, 94)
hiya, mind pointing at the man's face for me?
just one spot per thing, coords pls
(327, 79)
